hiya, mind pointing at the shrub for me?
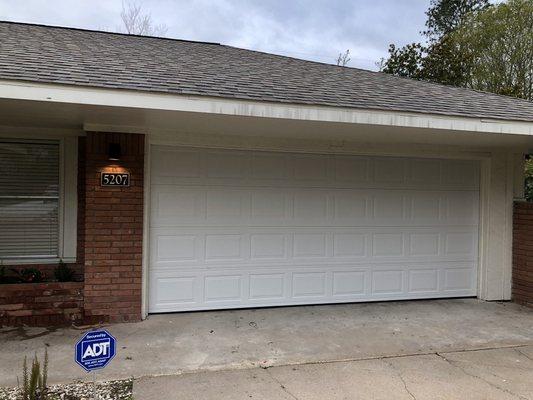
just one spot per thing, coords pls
(34, 384)
(29, 275)
(63, 273)
(4, 278)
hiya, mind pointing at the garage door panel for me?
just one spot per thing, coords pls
(352, 171)
(223, 288)
(310, 168)
(387, 282)
(174, 290)
(292, 246)
(173, 205)
(224, 204)
(226, 164)
(268, 246)
(288, 207)
(426, 208)
(462, 208)
(269, 166)
(461, 174)
(267, 286)
(177, 165)
(350, 244)
(461, 244)
(421, 171)
(269, 206)
(424, 280)
(459, 279)
(349, 283)
(233, 229)
(390, 170)
(191, 290)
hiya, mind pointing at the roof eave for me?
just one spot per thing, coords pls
(73, 94)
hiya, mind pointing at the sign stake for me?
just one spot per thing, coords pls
(94, 385)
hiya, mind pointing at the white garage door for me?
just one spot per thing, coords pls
(247, 228)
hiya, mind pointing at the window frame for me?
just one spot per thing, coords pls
(67, 204)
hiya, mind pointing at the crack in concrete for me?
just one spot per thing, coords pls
(502, 389)
(281, 385)
(399, 374)
(255, 364)
(522, 353)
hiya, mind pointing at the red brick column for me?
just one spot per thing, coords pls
(113, 230)
(523, 253)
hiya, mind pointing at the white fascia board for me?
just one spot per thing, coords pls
(18, 90)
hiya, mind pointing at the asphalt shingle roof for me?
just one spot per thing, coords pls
(99, 59)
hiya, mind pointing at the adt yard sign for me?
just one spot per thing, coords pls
(95, 349)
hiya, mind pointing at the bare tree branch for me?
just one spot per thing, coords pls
(135, 22)
(343, 59)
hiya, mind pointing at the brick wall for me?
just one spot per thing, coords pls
(523, 253)
(41, 304)
(113, 230)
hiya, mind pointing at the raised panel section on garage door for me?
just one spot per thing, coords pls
(235, 229)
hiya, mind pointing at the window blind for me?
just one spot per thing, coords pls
(29, 200)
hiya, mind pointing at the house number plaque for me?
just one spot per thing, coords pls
(114, 179)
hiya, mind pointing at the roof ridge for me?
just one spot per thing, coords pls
(106, 32)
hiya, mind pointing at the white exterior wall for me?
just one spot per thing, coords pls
(497, 227)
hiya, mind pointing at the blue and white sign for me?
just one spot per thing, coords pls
(95, 349)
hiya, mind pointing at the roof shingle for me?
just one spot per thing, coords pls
(90, 58)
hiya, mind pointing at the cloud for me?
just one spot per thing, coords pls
(310, 29)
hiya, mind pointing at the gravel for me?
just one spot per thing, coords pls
(111, 390)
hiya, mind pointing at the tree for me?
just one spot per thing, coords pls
(343, 59)
(444, 63)
(473, 44)
(444, 16)
(435, 59)
(405, 61)
(498, 43)
(529, 180)
(135, 22)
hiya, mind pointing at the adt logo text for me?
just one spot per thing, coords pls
(95, 349)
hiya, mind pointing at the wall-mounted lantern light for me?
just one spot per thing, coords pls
(114, 152)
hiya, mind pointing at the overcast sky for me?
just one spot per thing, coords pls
(310, 29)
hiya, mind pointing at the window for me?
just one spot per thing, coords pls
(29, 200)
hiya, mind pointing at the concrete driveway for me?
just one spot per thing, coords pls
(174, 344)
(497, 374)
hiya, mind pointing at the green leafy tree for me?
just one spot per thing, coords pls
(444, 16)
(498, 43)
(404, 61)
(529, 180)
(436, 59)
(444, 63)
